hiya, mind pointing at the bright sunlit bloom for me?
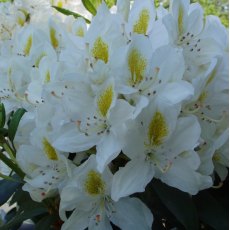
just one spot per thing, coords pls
(115, 100)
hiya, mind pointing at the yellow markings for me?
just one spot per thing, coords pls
(49, 150)
(80, 32)
(105, 100)
(60, 4)
(94, 185)
(100, 50)
(47, 78)
(20, 21)
(141, 25)
(180, 20)
(37, 62)
(216, 157)
(202, 97)
(211, 77)
(157, 129)
(137, 66)
(53, 38)
(28, 45)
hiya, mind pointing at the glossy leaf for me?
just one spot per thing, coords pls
(3, 131)
(89, 6)
(46, 222)
(180, 204)
(68, 12)
(211, 211)
(11, 214)
(2, 115)
(110, 3)
(22, 216)
(14, 122)
(7, 189)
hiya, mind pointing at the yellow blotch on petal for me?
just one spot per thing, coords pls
(37, 62)
(105, 100)
(80, 32)
(60, 4)
(157, 129)
(94, 184)
(137, 66)
(180, 20)
(28, 45)
(141, 26)
(20, 21)
(53, 38)
(49, 150)
(100, 50)
(47, 77)
(216, 157)
(202, 97)
(211, 77)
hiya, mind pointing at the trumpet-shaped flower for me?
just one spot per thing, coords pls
(161, 145)
(87, 194)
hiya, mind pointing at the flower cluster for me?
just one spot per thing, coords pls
(140, 93)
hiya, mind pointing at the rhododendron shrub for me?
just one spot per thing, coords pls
(113, 119)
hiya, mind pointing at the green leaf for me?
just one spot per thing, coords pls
(11, 214)
(7, 189)
(89, 6)
(3, 131)
(110, 3)
(179, 203)
(211, 211)
(46, 222)
(14, 122)
(2, 115)
(22, 216)
(68, 12)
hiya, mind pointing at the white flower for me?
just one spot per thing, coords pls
(102, 123)
(88, 194)
(161, 145)
(45, 168)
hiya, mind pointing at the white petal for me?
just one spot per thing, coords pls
(71, 140)
(177, 92)
(102, 224)
(186, 135)
(185, 178)
(107, 150)
(131, 179)
(132, 214)
(79, 219)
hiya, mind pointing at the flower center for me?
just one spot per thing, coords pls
(53, 38)
(100, 50)
(105, 100)
(137, 66)
(157, 129)
(28, 45)
(94, 185)
(49, 150)
(141, 26)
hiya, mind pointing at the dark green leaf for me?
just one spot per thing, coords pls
(7, 189)
(179, 203)
(11, 214)
(211, 211)
(14, 122)
(96, 3)
(46, 222)
(89, 6)
(68, 12)
(2, 115)
(110, 3)
(22, 216)
(3, 131)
